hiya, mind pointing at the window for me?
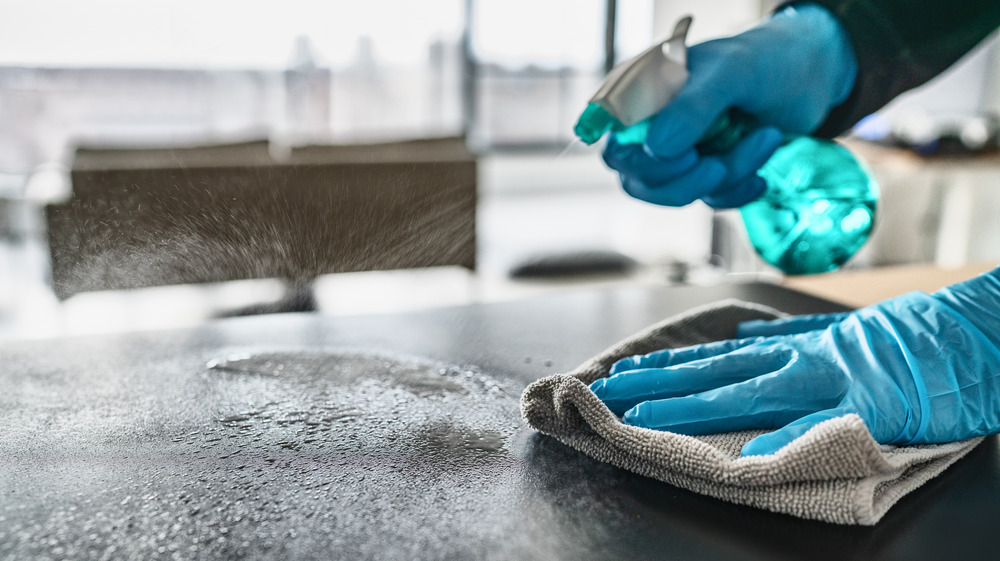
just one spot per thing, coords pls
(537, 63)
(182, 71)
(176, 71)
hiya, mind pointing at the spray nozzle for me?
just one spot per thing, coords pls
(637, 89)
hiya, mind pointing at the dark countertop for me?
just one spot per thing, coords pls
(388, 437)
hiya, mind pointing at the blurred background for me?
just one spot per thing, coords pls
(106, 88)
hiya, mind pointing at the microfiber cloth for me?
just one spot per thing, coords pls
(835, 472)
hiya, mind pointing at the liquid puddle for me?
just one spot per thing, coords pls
(413, 410)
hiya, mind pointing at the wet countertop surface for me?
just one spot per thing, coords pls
(388, 437)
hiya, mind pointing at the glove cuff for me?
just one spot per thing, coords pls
(822, 26)
(978, 301)
(950, 360)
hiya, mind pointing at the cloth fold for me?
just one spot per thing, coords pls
(835, 472)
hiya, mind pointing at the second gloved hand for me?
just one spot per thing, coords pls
(917, 369)
(788, 73)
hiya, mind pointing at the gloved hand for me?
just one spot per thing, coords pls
(788, 73)
(917, 369)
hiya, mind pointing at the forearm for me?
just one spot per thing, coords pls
(901, 44)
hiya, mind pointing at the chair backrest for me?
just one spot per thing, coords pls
(155, 216)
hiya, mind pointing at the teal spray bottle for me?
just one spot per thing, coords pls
(818, 208)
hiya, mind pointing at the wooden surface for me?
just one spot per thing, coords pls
(864, 287)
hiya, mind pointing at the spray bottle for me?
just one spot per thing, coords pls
(819, 205)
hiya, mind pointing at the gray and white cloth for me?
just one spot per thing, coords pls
(835, 472)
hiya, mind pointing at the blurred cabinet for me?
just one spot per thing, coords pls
(938, 209)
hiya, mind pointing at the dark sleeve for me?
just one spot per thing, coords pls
(901, 44)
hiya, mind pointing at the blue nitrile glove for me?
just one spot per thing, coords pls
(918, 369)
(788, 72)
